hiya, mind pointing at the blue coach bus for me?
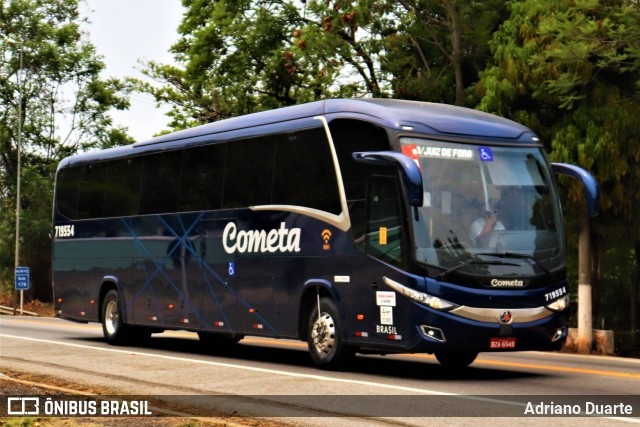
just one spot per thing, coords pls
(369, 225)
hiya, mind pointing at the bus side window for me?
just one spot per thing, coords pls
(122, 188)
(384, 239)
(160, 178)
(248, 178)
(202, 178)
(91, 192)
(68, 188)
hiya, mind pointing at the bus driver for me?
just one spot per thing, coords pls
(482, 227)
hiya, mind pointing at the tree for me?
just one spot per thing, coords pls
(236, 57)
(64, 109)
(440, 47)
(231, 61)
(571, 71)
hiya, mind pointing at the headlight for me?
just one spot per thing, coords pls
(420, 297)
(559, 304)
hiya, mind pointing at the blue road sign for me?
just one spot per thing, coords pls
(22, 278)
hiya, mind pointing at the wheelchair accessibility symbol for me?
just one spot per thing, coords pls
(232, 269)
(486, 155)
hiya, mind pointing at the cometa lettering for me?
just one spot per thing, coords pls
(507, 283)
(260, 241)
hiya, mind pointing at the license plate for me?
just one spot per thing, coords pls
(502, 343)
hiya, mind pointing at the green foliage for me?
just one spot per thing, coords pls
(232, 54)
(567, 70)
(237, 57)
(439, 47)
(49, 65)
(21, 422)
(570, 70)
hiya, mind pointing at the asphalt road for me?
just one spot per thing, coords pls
(275, 378)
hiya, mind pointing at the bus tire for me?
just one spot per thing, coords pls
(324, 337)
(456, 359)
(114, 329)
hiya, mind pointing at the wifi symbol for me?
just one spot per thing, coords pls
(326, 236)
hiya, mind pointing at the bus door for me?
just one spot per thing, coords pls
(384, 245)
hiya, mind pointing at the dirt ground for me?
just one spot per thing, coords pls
(19, 384)
(43, 309)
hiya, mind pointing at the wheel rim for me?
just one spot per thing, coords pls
(111, 317)
(323, 334)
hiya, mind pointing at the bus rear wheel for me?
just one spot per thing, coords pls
(456, 359)
(113, 328)
(324, 337)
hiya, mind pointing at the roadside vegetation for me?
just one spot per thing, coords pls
(568, 69)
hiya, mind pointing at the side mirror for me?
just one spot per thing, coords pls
(411, 175)
(591, 189)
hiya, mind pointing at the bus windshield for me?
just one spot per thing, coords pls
(488, 210)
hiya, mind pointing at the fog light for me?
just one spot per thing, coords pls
(560, 333)
(433, 333)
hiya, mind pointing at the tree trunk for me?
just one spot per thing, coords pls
(635, 297)
(584, 286)
(456, 51)
(597, 257)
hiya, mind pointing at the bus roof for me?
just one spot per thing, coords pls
(420, 117)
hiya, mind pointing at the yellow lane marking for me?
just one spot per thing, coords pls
(275, 342)
(540, 367)
(559, 368)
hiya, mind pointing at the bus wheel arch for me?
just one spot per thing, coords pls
(309, 300)
(114, 328)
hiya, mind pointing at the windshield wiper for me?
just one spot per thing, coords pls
(472, 261)
(517, 255)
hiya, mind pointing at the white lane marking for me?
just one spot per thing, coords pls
(267, 371)
(292, 374)
(242, 367)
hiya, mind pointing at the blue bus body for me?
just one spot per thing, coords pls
(270, 225)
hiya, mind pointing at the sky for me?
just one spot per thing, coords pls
(124, 32)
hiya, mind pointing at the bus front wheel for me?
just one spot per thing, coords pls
(456, 359)
(324, 336)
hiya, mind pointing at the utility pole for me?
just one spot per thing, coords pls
(18, 169)
(585, 327)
